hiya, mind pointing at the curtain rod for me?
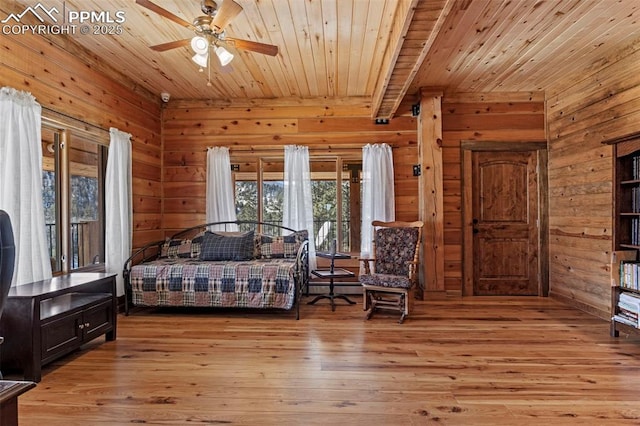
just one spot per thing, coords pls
(71, 121)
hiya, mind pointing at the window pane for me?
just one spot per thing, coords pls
(351, 205)
(273, 192)
(246, 192)
(50, 197)
(325, 203)
(324, 213)
(87, 243)
(345, 243)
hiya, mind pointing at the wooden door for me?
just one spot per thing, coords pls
(505, 223)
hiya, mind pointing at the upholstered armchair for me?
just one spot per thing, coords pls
(392, 273)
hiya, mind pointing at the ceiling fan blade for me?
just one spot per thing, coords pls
(225, 14)
(165, 13)
(170, 45)
(254, 46)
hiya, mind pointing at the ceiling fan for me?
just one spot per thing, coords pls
(210, 32)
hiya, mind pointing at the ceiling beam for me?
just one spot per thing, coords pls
(420, 26)
(402, 20)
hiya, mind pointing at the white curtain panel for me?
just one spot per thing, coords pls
(220, 194)
(118, 205)
(298, 205)
(378, 197)
(21, 183)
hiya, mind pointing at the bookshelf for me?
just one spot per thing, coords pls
(625, 294)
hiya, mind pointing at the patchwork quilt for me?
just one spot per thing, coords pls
(258, 283)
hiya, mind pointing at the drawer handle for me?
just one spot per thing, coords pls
(86, 324)
(81, 326)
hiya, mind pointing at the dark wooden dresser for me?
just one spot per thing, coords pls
(45, 320)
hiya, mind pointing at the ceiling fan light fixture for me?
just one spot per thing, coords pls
(223, 55)
(200, 59)
(200, 45)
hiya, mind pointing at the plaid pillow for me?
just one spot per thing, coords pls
(226, 247)
(182, 247)
(282, 247)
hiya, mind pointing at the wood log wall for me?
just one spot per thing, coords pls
(68, 80)
(601, 104)
(261, 129)
(490, 117)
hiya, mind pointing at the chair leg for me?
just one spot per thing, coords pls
(370, 304)
(369, 314)
(365, 299)
(403, 307)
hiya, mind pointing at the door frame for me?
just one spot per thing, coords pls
(467, 147)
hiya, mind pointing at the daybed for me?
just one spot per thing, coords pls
(260, 266)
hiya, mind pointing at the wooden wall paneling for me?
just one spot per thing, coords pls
(601, 105)
(85, 94)
(620, 75)
(266, 141)
(342, 124)
(344, 133)
(70, 84)
(185, 174)
(184, 205)
(313, 106)
(214, 127)
(508, 117)
(147, 221)
(431, 192)
(184, 189)
(497, 135)
(173, 222)
(150, 188)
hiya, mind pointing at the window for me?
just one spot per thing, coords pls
(73, 193)
(259, 192)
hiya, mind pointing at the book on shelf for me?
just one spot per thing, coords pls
(630, 299)
(624, 320)
(618, 256)
(630, 274)
(635, 167)
(630, 315)
(628, 309)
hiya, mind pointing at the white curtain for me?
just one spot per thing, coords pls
(119, 211)
(220, 194)
(377, 191)
(21, 183)
(298, 205)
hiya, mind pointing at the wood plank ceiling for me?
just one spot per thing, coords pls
(374, 51)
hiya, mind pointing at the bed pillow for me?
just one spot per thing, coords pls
(282, 247)
(186, 248)
(227, 247)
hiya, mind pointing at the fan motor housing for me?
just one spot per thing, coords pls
(209, 7)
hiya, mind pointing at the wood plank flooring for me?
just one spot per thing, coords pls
(472, 361)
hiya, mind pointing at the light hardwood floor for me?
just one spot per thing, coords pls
(472, 361)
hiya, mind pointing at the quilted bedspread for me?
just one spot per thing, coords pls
(260, 283)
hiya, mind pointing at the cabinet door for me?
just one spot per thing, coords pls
(61, 336)
(97, 320)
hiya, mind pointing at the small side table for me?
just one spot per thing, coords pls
(332, 273)
(9, 393)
